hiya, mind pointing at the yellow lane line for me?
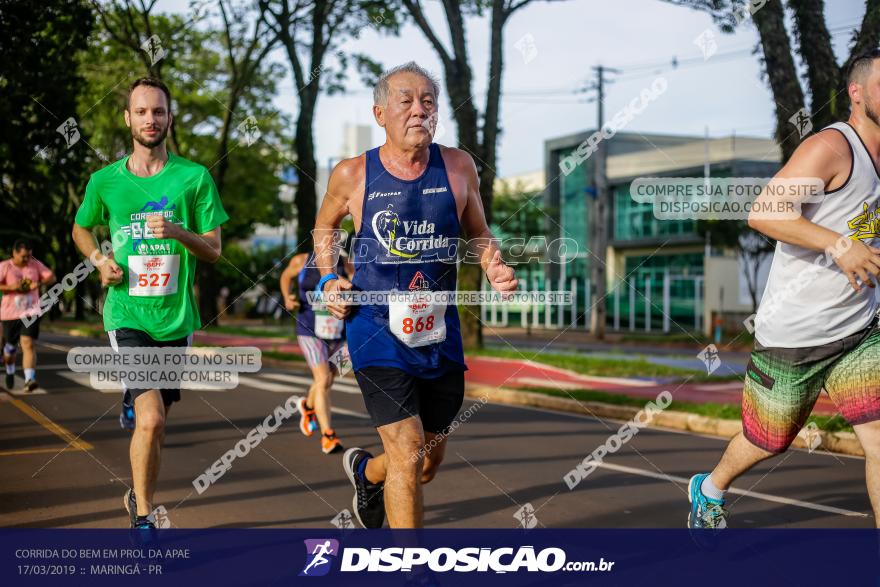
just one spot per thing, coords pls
(57, 429)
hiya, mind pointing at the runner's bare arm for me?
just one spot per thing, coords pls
(4, 287)
(825, 156)
(481, 241)
(88, 246)
(288, 276)
(205, 246)
(47, 278)
(347, 178)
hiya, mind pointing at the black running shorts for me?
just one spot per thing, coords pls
(128, 338)
(391, 395)
(13, 330)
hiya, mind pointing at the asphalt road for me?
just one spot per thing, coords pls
(64, 463)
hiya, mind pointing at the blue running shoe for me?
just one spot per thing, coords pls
(144, 533)
(126, 417)
(706, 513)
(144, 523)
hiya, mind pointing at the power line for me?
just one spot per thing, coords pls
(631, 71)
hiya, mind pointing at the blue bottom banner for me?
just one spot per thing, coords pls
(458, 558)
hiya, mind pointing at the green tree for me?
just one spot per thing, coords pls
(310, 33)
(220, 79)
(519, 212)
(824, 77)
(478, 132)
(40, 82)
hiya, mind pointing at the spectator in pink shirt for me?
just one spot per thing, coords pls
(20, 281)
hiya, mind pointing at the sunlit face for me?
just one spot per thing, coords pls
(410, 116)
(866, 95)
(872, 94)
(21, 257)
(148, 116)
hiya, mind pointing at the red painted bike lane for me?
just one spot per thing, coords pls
(522, 374)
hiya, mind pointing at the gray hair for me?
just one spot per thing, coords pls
(380, 91)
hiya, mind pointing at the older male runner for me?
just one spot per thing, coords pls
(410, 200)
(817, 324)
(170, 212)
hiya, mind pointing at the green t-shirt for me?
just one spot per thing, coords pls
(156, 291)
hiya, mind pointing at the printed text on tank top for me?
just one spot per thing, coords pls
(808, 300)
(407, 242)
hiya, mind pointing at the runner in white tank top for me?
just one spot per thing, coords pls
(805, 303)
(816, 326)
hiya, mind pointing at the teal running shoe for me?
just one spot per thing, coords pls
(706, 513)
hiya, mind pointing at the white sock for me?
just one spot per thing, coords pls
(30, 374)
(9, 349)
(10, 369)
(709, 490)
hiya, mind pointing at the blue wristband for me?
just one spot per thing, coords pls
(324, 280)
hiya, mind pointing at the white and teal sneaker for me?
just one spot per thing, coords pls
(706, 513)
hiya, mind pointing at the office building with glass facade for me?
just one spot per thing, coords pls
(648, 258)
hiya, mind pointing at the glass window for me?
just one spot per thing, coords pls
(572, 203)
(683, 269)
(635, 220)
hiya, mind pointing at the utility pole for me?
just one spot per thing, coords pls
(598, 212)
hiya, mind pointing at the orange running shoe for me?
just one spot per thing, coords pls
(330, 444)
(308, 422)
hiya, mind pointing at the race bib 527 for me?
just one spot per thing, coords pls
(153, 275)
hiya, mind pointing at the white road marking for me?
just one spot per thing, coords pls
(52, 367)
(56, 347)
(658, 429)
(337, 385)
(755, 494)
(266, 386)
(345, 412)
(84, 379)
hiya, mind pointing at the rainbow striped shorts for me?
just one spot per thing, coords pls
(783, 384)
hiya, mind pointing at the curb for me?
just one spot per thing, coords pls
(834, 442)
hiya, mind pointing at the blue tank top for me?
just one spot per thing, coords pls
(307, 281)
(408, 239)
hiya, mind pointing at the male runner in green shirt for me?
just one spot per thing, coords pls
(164, 212)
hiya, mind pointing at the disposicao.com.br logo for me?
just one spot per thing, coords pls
(319, 556)
(443, 559)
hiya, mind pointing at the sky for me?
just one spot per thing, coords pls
(567, 39)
